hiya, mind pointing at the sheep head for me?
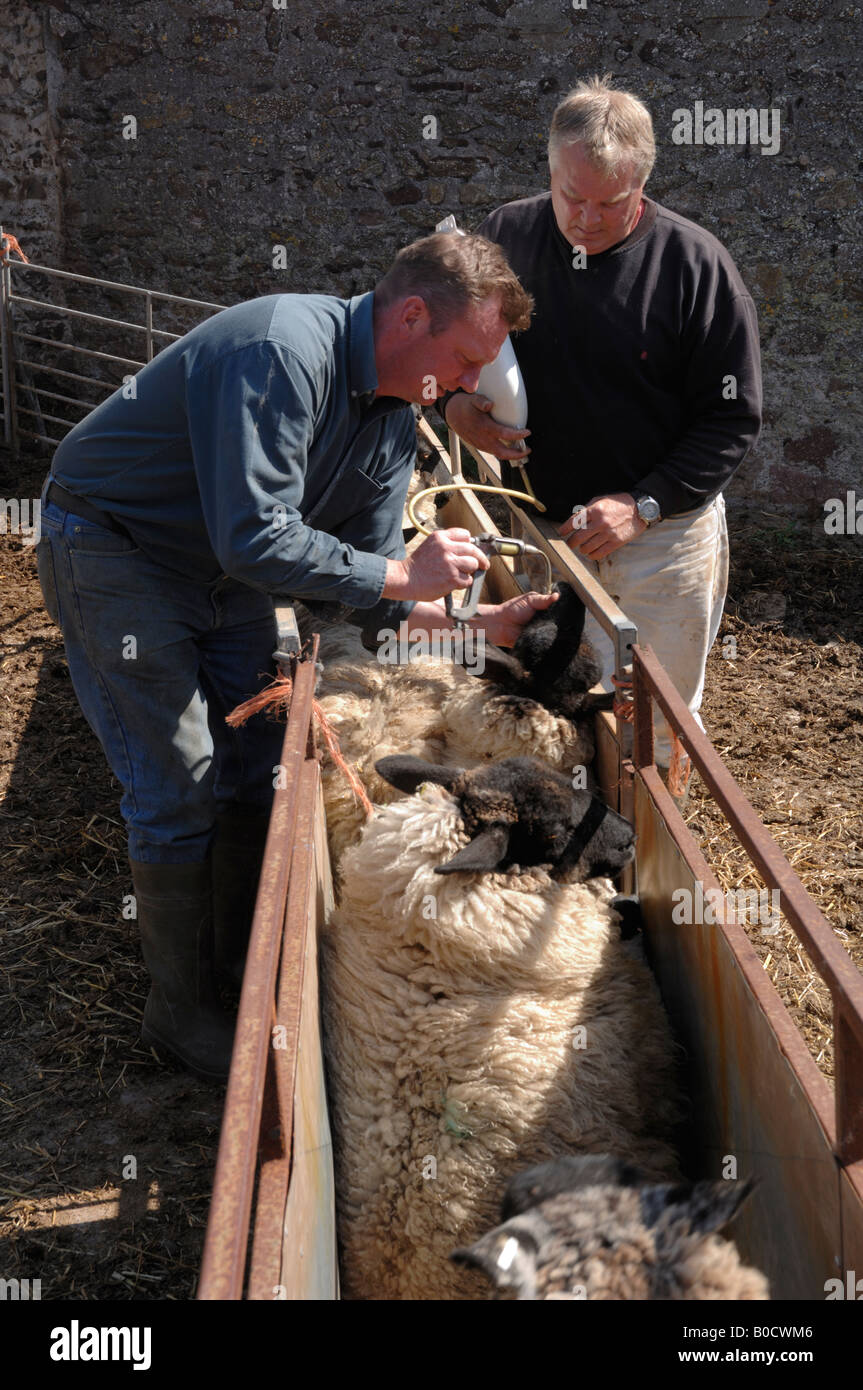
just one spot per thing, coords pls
(594, 1227)
(552, 662)
(518, 811)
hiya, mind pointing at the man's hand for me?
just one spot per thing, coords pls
(607, 523)
(469, 416)
(446, 560)
(502, 623)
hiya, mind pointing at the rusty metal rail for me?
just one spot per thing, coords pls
(258, 1116)
(834, 965)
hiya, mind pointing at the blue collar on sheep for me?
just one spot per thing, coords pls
(520, 812)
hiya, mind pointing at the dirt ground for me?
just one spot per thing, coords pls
(786, 716)
(107, 1155)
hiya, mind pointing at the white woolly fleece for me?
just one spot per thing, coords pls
(474, 1026)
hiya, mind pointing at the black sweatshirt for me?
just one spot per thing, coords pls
(626, 360)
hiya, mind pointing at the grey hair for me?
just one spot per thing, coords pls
(614, 128)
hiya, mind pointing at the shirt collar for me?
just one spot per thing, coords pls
(363, 373)
(364, 378)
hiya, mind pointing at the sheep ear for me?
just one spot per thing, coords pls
(499, 666)
(707, 1206)
(407, 773)
(482, 855)
(507, 1255)
(597, 700)
(568, 1173)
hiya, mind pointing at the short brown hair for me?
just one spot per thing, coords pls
(614, 128)
(450, 272)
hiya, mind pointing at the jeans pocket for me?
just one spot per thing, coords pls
(88, 538)
(47, 578)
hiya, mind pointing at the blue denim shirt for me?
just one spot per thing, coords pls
(253, 447)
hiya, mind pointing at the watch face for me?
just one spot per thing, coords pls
(648, 509)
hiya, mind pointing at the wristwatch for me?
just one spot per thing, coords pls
(647, 506)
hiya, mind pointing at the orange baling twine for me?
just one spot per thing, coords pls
(275, 698)
(624, 702)
(680, 768)
(11, 244)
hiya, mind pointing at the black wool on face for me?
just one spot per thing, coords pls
(552, 662)
(518, 811)
(568, 1173)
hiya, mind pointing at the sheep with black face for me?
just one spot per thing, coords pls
(597, 1228)
(481, 1014)
(534, 701)
(519, 813)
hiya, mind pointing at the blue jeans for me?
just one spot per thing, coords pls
(157, 661)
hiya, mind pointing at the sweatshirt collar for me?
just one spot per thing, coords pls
(642, 228)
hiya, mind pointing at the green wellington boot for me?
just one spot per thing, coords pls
(182, 1015)
(237, 853)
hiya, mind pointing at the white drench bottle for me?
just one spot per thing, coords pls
(500, 380)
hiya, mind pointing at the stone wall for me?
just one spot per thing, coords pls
(342, 130)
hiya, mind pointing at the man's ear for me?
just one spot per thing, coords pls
(482, 856)
(407, 773)
(414, 313)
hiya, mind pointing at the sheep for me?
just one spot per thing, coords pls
(373, 708)
(539, 701)
(477, 1022)
(518, 812)
(535, 701)
(552, 662)
(595, 1228)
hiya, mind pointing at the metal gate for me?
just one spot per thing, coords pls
(35, 391)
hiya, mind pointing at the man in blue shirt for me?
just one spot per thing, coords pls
(266, 452)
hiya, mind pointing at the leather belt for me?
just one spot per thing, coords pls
(81, 507)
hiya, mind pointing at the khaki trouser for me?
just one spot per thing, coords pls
(671, 583)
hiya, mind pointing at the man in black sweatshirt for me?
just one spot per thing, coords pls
(642, 372)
